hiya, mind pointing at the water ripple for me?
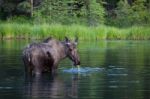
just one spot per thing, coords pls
(83, 70)
(7, 88)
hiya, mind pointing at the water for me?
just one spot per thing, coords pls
(109, 70)
(81, 70)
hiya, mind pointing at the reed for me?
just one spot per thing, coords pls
(139, 33)
(102, 32)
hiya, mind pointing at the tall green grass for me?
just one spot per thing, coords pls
(29, 31)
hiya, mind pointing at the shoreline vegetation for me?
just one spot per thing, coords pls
(102, 32)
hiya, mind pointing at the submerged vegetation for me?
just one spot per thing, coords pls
(102, 32)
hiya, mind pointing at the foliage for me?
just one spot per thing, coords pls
(70, 11)
(131, 14)
(140, 14)
(96, 12)
(24, 7)
(122, 13)
(51, 11)
(19, 19)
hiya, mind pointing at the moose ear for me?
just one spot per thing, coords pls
(76, 39)
(66, 39)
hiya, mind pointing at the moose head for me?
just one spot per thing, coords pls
(71, 50)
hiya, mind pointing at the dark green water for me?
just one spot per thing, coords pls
(123, 73)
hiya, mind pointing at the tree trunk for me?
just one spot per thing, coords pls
(31, 4)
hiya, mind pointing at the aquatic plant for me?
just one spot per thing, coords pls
(102, 32)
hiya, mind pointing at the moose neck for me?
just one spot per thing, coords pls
(62, 51)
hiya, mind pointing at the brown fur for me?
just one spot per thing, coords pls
(45, 56)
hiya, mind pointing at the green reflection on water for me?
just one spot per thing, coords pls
(126, 72)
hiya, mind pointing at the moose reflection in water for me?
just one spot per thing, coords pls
(45, 56)
(53, 86)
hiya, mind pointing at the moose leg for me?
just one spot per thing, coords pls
(54, 68)
(37, 69)
(50, 63)
(27, 66)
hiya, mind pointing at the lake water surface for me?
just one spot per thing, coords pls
(109, 70)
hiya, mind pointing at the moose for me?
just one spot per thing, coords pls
(45, 56)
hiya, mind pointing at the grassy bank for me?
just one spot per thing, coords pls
(28, 31)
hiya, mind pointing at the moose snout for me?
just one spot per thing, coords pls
(77, 62)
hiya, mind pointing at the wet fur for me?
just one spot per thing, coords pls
(42, 57)
(45, 56)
